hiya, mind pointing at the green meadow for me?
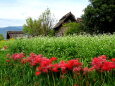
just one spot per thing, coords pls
(84, 47)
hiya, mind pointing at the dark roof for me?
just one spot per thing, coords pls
(13, 34)
(64, 19)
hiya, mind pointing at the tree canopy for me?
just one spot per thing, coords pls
(99, 16)
(41, 26)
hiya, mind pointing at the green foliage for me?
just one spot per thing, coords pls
(72, 28)
(82, 46)
(1, 37)
(41, 26)
(99, 16)
(2, 43)
(17, 74)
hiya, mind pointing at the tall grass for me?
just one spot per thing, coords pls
(84, 47)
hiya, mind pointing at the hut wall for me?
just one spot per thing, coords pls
(61, 31)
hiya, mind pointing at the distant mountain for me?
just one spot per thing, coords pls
(3, 30)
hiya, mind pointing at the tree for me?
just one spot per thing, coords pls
(99, 16)
(1, 37)
(46, 22)
(41, 26)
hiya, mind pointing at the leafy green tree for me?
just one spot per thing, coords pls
(32, 27)
(41, 26)
(99, 16)
(1, 37)
(46, 22)
(72, 28)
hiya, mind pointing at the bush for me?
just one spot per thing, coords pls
(72, 28)
(1, 37)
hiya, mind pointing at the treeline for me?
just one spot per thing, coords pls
(98, 17)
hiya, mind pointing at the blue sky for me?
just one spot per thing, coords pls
(15, 12)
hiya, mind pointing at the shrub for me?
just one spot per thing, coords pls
(72, 28)
(1, 37)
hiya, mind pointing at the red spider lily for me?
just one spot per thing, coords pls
(42, 69)
(98, 62)
(63, 66)
(55, 68)
(34, 59)
(107, 66)
(7, 60)
(38, 73)
(45, 62)
(91, 69)
(102, 64)
(86, 70)
(73, 63)
(103, 57)
(18, 56)
(53, 59)
(69, 65)
(23, 61)
(45, 65)
(113, 59)
(32, 54)
(77, 69)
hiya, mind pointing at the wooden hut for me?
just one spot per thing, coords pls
(14, 34)
(58, 28)
(79, 20)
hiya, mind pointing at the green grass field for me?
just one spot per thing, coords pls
(84, 47)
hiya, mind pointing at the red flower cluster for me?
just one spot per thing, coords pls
(16, 56)
(102, 64)
(113, 59)
(73, 65)
(45, 65)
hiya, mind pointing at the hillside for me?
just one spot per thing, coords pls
(10, 28)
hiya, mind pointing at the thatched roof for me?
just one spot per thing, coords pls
(14, 34)
(68, 16)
